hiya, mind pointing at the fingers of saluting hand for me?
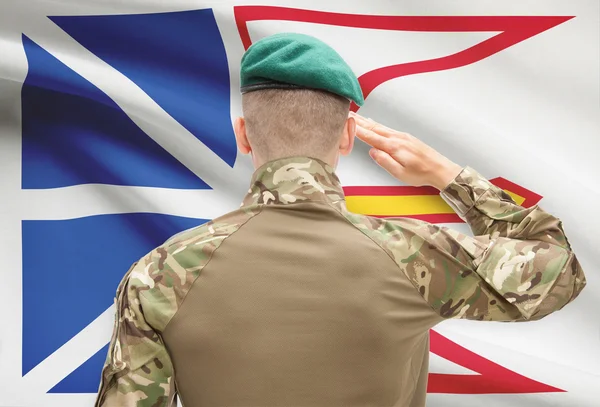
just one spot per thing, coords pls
(378, 128)
(372, 133)
(375, 140)
(378, 135)
(371, 125)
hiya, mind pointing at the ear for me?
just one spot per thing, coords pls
(348, 135)
(241, 138)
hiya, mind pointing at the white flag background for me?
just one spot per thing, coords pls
(115, 132)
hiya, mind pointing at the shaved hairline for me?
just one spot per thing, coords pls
(293, 122)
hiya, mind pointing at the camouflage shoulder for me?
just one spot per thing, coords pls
(403, 237)
(438, 261)
(165, 275)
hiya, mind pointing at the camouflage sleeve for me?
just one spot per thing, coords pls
(138, 371)
(488, 210)
(519, 266)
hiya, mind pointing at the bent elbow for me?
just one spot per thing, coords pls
(570, 282)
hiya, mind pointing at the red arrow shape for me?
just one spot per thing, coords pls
(492, 377)
(512, 30)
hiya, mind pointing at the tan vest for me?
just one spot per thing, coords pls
(299, 308)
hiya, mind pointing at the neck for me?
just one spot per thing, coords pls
(330, 159)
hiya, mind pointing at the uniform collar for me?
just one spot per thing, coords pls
(294, 179)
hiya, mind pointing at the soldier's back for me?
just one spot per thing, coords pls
(298, 307)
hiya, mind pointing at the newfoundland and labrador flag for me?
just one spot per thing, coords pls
(116, 132)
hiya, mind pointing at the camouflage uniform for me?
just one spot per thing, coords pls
(295, 301)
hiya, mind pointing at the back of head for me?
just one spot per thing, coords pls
(294, 122)
(296, 93)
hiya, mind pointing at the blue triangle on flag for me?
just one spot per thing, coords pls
(71, 270)
(177, 58)
(84, 379)
(73, 133)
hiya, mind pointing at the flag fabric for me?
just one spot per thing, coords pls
(116, 133)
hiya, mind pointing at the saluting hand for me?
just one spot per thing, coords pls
(405, 157)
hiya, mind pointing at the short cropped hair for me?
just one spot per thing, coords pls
(291, 122)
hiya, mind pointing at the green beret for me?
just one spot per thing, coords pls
(290, 60)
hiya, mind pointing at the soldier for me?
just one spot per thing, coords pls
(294, 301)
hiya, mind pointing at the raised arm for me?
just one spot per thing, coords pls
(518, 267)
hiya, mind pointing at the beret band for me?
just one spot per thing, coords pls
(269, 85)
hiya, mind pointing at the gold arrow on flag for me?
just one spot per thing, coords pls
(422, 203)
